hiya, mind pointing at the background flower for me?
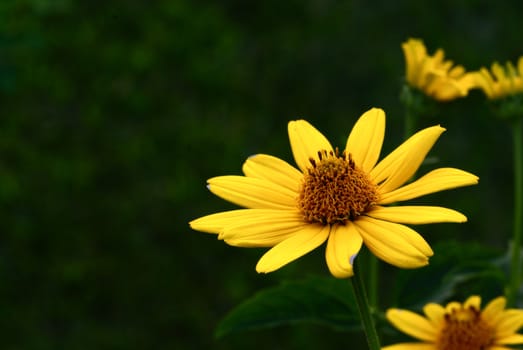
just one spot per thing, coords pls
(435, 76)
(460, 326)
(499, 81)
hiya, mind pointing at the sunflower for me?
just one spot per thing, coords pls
(459, 326)
(434, 75)
(501, 81)
(335, 196)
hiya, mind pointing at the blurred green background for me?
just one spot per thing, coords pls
(114, 114)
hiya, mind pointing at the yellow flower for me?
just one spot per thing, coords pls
(338, 197)
(500, 81)
(433, 75)
(459, 326)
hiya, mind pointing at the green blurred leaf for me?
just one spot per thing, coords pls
(457, 270)
(320, 300)
(504, 262)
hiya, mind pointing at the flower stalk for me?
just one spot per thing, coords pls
(373, 281)
(410, 103)
(517, 130)
(365, 310)
(416, 104)
(503, 85)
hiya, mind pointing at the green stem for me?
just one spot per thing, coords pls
(414, 102)
(365, 313)
(373, 281)
(410, 122)
(515, 270)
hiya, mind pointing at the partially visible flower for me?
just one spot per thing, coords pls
(434, 75)
(335, 196)
(459, 326)
(500, 81)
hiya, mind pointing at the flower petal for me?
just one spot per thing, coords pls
(473, 301)
(394, 243)
(520, 66)
(303, 241)
(411, 346)
(494, 309)
(434, 181)
(387, 165)
(264, 231)
(412, 324)
(215, 223)
(400, 165)
(510, 322)
(483, 79)
(263, 166)
(453, 305)
(252, 192)
(366, 138)
(398, 232)
(511, 339)
(435, 313)
(306, 141)
(343, 246)
(449, 89)
(415, 52)
(457, 72)
(416, 214)
(263, 239)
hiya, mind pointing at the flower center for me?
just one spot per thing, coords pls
(334, 190)
(465, 329)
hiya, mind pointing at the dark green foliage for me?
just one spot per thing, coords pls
(325, 301)
(456, 271)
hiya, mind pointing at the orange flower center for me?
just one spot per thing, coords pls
(334, 190)
(465, 329)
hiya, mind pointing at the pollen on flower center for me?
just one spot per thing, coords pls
(335, 190)
(465, 329)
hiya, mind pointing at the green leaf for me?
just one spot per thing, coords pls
(457, 270)
(320, 300)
